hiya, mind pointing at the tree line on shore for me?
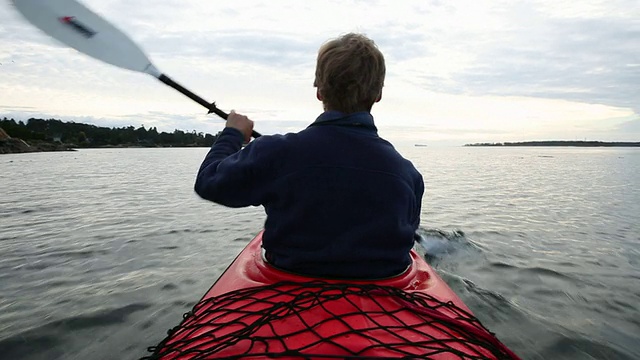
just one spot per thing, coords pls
(86, 136)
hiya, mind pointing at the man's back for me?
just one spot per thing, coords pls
(340, 201)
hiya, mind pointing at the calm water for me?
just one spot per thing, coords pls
(101, 251)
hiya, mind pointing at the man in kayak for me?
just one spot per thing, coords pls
(340, 201)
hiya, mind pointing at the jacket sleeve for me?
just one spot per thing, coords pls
(419, 190)
(230, 175)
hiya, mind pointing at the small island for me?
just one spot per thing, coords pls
(38, 135)
(562, 143)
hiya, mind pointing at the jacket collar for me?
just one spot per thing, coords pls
(362, 119)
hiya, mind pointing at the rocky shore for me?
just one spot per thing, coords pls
(9, 145)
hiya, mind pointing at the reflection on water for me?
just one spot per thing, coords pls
(101, 251)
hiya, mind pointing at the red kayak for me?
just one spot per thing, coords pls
(256, 311)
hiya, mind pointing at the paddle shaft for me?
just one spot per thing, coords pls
(210, 106)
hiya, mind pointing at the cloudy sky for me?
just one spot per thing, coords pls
(457, 71)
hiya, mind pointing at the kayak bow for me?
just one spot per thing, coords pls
(257, 311)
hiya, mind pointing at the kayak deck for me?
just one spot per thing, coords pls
(257, 311)
(250, 269)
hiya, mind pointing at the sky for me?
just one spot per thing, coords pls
(457, 71)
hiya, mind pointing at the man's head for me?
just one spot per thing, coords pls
(349, 73)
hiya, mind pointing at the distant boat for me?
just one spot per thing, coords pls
(423, 145)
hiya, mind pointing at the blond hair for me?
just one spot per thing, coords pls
(350, 73)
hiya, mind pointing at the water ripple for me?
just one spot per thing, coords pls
(98, 261)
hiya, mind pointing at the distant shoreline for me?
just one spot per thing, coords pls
(562, 143)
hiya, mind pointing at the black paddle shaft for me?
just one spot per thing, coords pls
(210, 106)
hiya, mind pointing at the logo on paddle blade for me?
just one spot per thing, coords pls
(78, 26)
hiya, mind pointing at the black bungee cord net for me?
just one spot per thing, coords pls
(318, 320)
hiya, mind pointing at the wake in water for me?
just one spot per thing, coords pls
(536, 335)
(438, 244)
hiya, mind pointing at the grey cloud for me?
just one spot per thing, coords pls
(399, 41)
(585, 60)
(402, 42)
(442, 130)
(14, 30)
(248, 46)
(632, 126)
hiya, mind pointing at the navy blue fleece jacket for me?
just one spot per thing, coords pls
(340, 201)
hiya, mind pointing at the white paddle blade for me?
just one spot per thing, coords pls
(78, 27)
